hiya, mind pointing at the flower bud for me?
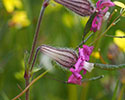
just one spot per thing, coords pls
(81, 7)
(65, 57)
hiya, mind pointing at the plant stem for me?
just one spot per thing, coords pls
(45, 4)
(114, 36)
(93, 78)
(29, 85)
(27, 92)
(34, 58)
(109, 67)
(84, 41)
(27, 70)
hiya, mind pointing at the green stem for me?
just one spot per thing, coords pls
(45, 4)
(84, 41)
(109, 67)
(93, 78)
(114, 36)
(29, 85)
(27, 70)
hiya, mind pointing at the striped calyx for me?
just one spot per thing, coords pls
(81, 7)
(65, 57)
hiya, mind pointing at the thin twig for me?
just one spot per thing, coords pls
(19, 87)
(45, 4)
(37, 78)
(34, 58)
(108, 67)
(84, 41)
(27, 71)
(114, 36)
(93, 78)
(27, 92)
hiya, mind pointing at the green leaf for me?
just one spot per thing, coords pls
(89, 24)
(115, 91)
(120, 4)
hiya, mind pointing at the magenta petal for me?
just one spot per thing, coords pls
(81, 52)
(74, 80)
(77, 75)
(94, 25)
(99, 22)
(107, 4)
(84, 71)
(87, 51)
(93, 29)
(105, 10)
(84, 54)
(78, 63)
(98, 4)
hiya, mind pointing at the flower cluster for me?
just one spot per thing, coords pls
(81, 64)
(102, 7)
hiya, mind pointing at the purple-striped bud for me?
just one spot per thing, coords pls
(81, 7)
(65, 57)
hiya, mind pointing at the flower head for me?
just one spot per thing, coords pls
(81, 64)
(64, 57)
(102, 7)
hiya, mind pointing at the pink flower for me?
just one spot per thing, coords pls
(102, 7)
(81, 64)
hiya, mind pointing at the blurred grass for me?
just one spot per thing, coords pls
(60, 28)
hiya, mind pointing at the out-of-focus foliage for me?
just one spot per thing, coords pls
(61, 28)
(120, 4)
(10, 5)
(120, 42)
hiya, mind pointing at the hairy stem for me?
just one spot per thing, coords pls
(34, 58)
(27, 92)
(93, 78)
(84, 41)
(114, 36)
(45, 4)
(109, 67)
(27, 71)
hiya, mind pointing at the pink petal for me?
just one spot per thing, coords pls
(81, 52)
(105, 10)
(98, 4)
(87, 51)
(74, 80)
(84, 71)
(107, 4)
(77, 75)
(99, 22)
(94, 25)
(93, 29)
(78, 63)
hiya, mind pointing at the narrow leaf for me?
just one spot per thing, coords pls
(89, 24)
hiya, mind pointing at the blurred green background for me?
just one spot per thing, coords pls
(60, 28)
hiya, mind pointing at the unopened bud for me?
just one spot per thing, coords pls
(65, 57)
(81, 7)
